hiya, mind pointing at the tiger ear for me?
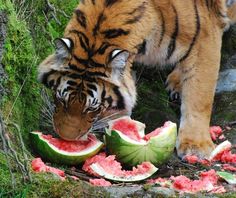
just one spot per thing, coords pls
(63, 47)
(118, 62)
(119, 58)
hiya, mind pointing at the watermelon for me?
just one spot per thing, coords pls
(65, 152)
(207, 182)
(107, 167)
(222, 148)
(39, 166)
(126, 139)
(100, 182)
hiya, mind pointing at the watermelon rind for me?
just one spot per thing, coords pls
(103, 173)
(53, 154)
(220, 148)
(130, 152)
(230, 178)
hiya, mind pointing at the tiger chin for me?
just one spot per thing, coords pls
(90, 72)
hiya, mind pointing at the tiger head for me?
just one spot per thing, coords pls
(86, 90)
(90, 71)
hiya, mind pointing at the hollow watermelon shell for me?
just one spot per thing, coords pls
(53, 154)
(156, 148)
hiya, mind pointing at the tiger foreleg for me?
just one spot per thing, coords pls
(198, 87)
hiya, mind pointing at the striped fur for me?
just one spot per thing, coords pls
(92, 79)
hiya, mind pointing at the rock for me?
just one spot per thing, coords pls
(128, 191)
(226, 81)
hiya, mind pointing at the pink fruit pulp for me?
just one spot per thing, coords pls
(100, 182)
(71, 146)
(113, 167)
(39, 166)
(129, 128)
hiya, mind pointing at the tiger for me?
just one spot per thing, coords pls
(90, 72)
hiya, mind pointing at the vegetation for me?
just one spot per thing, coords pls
(32, 27)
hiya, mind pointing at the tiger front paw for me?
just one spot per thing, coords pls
(200, 148)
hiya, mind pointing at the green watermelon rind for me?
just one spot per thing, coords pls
(135, 178)
(53, 154)
(133, 153)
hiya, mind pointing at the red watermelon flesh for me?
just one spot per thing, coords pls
(39, 166)
(71, 146)
(100, 182)
(229, 167)
(128, 128)
(216, 132)
(90, 161)
(156, 132)
(114, 167)
(228, 157)
(207, 182)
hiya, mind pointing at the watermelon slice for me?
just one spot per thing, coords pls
(110, 169)
(65, 152)
(126, 139)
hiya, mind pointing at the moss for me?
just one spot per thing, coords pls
(22, 102)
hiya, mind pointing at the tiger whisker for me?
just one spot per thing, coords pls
(111, 117)
(47, 111)
(99, 126)
(119, 114)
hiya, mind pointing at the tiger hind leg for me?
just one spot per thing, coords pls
(174, 84)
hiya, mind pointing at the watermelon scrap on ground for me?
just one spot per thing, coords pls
(216, 132)
(208, 181)
(107, 167)
(222, 153)
(229, 167)
(39, 166)
(100, 182)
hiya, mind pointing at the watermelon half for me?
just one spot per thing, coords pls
(65, 152)
(126, 139)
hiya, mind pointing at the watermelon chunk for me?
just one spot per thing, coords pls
(100, 182)
(207, 182)
(110, 169)
(216, 132)
(132, 147)
(65, 152)
(229, 167)
(39, 166)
